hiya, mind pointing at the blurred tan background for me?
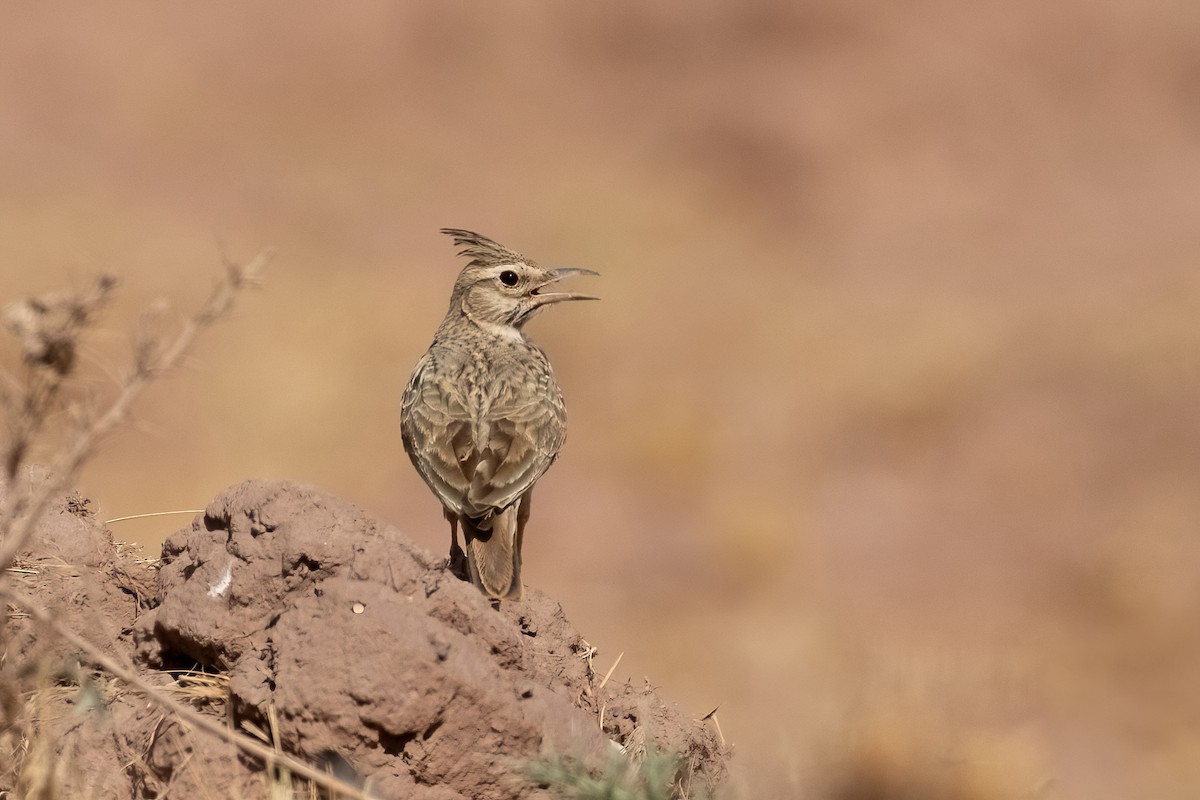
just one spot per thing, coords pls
(886, 435)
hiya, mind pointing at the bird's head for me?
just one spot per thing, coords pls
(502, 287)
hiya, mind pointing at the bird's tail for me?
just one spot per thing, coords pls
(494, 556)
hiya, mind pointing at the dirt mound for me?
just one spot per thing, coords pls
(291, 612)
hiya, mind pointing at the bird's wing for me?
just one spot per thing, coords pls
(479, 455)
(526, 425)
(436, 431)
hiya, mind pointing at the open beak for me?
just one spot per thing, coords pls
(543, 298)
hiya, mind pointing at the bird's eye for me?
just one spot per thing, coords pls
(508, 278)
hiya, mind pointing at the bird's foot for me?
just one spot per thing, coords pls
(457, 563)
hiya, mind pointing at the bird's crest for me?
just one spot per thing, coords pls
(482, 250)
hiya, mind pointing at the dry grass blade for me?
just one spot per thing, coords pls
(202, 688)
(713, 716)
(154, 514)
(608, 674)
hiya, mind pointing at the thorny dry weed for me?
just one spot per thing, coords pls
(50, 331)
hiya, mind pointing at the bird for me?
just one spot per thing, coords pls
(482, 416)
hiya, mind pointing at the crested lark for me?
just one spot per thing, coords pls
(482, 417)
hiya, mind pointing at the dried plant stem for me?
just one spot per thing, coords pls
(26, 501)
(608, 674)
(193, 718)
(154, 514)
(22, 511)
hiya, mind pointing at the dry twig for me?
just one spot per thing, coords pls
(49, 330)
(45, 349)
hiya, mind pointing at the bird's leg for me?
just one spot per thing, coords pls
(457, 563)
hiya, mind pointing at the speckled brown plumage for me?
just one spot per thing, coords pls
(482, 417)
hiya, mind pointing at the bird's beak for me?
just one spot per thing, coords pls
(542, 298)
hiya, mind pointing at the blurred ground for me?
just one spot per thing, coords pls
(886, 436)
